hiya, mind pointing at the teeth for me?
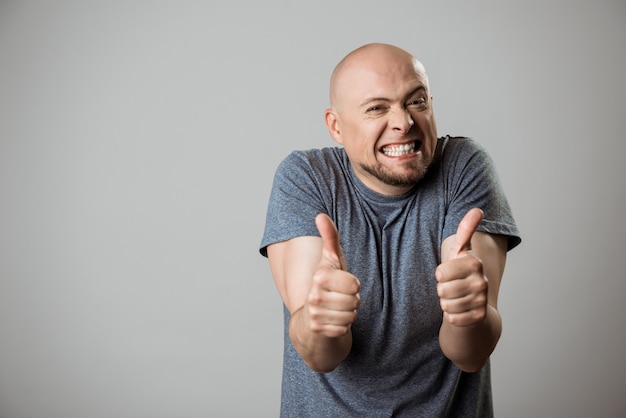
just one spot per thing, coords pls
(398, 150)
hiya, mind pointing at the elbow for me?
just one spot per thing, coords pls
(472, 367)
(468, 362)
(320, 368)
(323, 370)
(471, 364)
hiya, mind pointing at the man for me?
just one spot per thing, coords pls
(388, 254)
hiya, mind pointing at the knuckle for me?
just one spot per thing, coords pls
(353, 317)
(440, 273)
(315, 297)
(475, 316)
(339, 331)
(356, 287)
(475, 264)
(479, 284)
(314, 313)
(441, 291)
(481, 300)
(444, 304)
(316, 327)
(480, 315)
(453, 319)
(481, 288)
(319, 278)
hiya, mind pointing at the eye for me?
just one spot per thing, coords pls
(419, 103)
(376, 109)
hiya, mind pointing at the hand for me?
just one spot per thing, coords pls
(334, 295)
(462, 286)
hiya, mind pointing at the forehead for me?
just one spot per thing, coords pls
(388, 77)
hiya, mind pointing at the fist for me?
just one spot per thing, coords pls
(333, 298)
(461, 284)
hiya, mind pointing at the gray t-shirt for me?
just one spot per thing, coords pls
(392, 244)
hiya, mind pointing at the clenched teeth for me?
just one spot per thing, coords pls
(398, 150)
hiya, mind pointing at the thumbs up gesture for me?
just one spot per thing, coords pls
(333, 298)
(462, 286)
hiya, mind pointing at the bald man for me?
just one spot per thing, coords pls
(387, 251)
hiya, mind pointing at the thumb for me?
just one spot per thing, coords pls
(331, 247)
(465, 231)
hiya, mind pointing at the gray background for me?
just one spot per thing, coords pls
(138, 142)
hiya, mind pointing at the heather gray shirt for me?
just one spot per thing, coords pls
(392, 244)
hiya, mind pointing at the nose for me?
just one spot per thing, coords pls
(400, 120)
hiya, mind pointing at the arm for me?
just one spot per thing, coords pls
(320, 295)
(469, 280)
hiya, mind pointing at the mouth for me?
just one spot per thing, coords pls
(399, 150)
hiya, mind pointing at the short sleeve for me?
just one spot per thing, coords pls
(295, 200)
(472, 181)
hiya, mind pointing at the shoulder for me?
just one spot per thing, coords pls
(317, 157)
(305, 184)
(325, 165)
(459, 154)
(460, 145)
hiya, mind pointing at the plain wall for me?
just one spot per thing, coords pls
(138, 142)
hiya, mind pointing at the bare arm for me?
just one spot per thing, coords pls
(469, 280)
(321, 296)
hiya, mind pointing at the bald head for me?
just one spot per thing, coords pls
(381, 59)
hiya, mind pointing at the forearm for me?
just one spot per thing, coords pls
(319, 352)
(469, 348)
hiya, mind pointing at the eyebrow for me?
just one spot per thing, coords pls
(370, 100)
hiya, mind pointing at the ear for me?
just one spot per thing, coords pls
(332, 123)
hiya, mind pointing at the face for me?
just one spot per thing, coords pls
(382, 115)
